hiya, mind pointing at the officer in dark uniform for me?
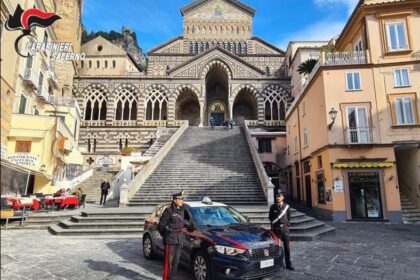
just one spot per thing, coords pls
(280, 221)
(170, 225)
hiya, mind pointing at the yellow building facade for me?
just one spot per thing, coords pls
(353, 133)
(45, 119)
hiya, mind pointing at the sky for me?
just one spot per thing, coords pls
(276, 21)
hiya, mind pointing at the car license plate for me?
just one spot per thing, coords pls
(266, 263)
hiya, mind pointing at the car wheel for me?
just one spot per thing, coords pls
(148, 247)
(201, 267)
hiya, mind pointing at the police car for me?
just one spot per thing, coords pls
(219, 243)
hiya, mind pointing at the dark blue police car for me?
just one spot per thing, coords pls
(219, 243)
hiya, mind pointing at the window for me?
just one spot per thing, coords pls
(396, 35)
(401, 78)
(97, 64)
(114, 64)
(36, 112)
(305, 137)
(358, 47)
(358, 130)
(40, 83)
(303, 108)
(82, 64)
(106, 63)
(404, 110)
(22, 104)
(319, 162)
(353, 81)
(23, 147)
(90, 64)
(321, 187)
(264, 146)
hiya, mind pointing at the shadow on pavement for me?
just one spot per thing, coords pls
(115, 269)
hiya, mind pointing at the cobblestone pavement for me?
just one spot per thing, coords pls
(356, 251)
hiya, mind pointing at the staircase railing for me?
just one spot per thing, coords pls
(122, 177)
(266, 184)
(151, 165)
(74, 182)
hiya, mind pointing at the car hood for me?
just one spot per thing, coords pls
(248, 235)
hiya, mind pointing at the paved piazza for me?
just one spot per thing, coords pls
(356, 251)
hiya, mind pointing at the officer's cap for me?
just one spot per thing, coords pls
(280, 194)
(179, 195)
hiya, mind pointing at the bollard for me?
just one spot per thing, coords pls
(123, 195)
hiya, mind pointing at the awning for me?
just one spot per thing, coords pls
(364, 164)
(24, 169)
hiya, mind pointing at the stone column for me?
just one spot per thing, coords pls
(201, 113)
(230, 109)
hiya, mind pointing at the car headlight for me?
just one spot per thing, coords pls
(230, 251)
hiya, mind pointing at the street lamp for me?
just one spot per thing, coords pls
(333, 115)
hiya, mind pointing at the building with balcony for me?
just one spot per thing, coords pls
(42, 140)
(353, 133)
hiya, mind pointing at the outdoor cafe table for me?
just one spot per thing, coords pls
(63, 201)
(20, 202)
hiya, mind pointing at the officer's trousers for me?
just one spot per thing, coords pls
(172, 255)
(284, 235)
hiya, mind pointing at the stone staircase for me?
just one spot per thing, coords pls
(129, 222)
(160, 142)
(91, 186)
(203, 162)
(411, 214)
(217, 164)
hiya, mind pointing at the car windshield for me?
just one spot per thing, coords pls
(216, 216)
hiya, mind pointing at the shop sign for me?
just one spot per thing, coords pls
(105, 160)
(23, 159)
(338, 186)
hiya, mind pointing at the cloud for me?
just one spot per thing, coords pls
(350, 4)
(322, 30)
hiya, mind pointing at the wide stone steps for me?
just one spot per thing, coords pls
(410, 213)
(129, 222)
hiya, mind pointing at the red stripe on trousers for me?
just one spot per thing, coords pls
(166, 264)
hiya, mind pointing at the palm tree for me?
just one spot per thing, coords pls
(307, 66)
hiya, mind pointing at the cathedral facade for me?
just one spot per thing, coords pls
(217, 68)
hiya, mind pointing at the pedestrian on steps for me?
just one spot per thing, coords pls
(212, 122)
(280, 222)
(105, 186)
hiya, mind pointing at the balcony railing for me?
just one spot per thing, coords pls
(359, 135)
(62, 100)
(345, 58)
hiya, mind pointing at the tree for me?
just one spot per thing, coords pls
(307, 66)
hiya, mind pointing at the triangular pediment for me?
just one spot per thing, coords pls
(101, 46)
(195, 67)
(200, 4)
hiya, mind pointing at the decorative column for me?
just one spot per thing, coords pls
(201, 113)
(230, 109)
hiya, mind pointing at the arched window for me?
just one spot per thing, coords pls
(97, 64)
(95, 103)
(156, 104)
(114, 64)
(126, 103)
(82, 63)
(106, 63)
(275, 101)
(90, 64)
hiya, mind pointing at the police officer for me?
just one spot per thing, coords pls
(170, 225)
(280, 221)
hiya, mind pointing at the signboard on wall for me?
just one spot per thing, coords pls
(23, 159)
(105, 160)
(338, 186)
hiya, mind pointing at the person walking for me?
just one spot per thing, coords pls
(170, 227)
(280, 221)
(231, 124)
(227, 124)
(212, 123)
(105, 186)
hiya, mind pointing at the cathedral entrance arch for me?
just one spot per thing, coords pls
(188, 107)
(217, 93)
(218, 112)
(244, 106)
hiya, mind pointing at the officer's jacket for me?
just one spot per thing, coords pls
(172, 222)
(275, 211)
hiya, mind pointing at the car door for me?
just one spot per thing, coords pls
(157, 238)
(189, 239)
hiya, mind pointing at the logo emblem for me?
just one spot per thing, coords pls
(266, 252)
(25, 20)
